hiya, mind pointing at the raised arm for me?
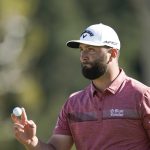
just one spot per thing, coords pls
(25, 133)
(56, 142)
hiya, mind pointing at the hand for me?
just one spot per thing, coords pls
(24, 129)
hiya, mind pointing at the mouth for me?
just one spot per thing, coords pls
(87, 65)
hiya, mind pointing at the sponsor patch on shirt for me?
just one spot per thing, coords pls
(106, 114)
(120, 113)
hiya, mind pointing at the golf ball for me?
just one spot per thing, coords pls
(17, 111)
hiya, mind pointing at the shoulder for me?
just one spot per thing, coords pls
(80, 93)
(79, 97)
(134, 90)
(76, 94)
(136, 85)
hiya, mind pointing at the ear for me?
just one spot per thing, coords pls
(114, 52)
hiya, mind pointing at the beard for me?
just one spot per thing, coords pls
(95, 70)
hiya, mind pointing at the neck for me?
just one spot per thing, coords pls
(104, 81)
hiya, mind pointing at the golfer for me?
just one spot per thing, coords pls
(111, 113)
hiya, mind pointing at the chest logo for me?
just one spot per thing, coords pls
(116, 112)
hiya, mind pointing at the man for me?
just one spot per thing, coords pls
(112, 113)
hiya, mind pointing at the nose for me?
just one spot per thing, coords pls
(84, 55)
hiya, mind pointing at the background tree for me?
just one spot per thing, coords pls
(143, 12)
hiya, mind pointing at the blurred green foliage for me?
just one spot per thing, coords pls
(37, 70)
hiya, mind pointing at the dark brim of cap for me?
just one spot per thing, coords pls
(76, 43)
(73, 43)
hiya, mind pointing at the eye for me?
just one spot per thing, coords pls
(91, 50)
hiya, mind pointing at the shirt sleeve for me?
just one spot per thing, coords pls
(62, 125)
(146, 111)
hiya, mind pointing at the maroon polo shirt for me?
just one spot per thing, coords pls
(117, 119)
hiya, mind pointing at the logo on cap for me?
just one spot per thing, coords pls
(110, 42)
(87, 32)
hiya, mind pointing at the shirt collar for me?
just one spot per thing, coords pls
(114, 86)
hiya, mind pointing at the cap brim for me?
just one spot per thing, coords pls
(76, 43)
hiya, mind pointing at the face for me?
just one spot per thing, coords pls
(94, 61)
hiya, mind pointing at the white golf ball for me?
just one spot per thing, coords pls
(17, 111)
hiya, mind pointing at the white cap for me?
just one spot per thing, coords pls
(97, 35)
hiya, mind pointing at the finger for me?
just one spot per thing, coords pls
(15, 119)
(24, 117)
(17, 125)
(19, 138)
(18, 133)
(18, 129)
(31, 124)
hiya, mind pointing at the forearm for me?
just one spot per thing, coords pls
(37, 144)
